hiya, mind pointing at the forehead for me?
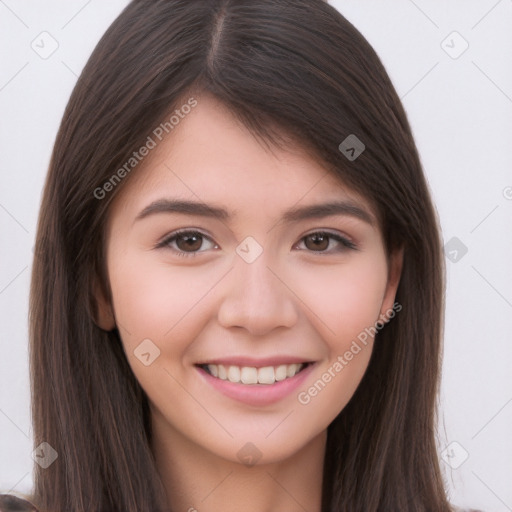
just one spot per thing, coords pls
(211, 156)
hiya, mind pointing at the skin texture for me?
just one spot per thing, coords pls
(292, 300)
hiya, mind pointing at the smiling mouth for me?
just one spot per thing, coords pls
(251, 375)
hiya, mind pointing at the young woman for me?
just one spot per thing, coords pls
(237, 295)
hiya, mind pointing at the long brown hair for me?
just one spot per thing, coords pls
(294, 67)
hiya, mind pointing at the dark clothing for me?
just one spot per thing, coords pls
(11, 503)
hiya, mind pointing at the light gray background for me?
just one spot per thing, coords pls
(460, 110)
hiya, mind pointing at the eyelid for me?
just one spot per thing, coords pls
(164, 242)
(331, 232)
(345, 240)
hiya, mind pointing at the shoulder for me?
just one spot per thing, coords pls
(11, 503)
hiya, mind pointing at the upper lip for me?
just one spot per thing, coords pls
(257, 363)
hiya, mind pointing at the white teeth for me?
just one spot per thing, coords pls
(249, 375)
(281, 372)
(292, 369)
(234, 374)
(266, 375)
(252, 375)
(221, 370)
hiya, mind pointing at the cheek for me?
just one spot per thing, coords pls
(164, 304)
(154, 300)
(346, 299)
(347, 303)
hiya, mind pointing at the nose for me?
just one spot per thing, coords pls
(257, 297)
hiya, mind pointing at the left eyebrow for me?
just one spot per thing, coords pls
(319, 211)
(296, 214)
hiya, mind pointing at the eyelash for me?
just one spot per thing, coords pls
(347, 244)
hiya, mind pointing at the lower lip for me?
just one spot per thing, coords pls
(258, 394)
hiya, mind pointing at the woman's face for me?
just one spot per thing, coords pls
(255, 291)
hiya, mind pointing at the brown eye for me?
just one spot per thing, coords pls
(189, 242)
(185, 243)
(320, 240)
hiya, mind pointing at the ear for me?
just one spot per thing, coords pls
(103, 311)
(395, 264)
